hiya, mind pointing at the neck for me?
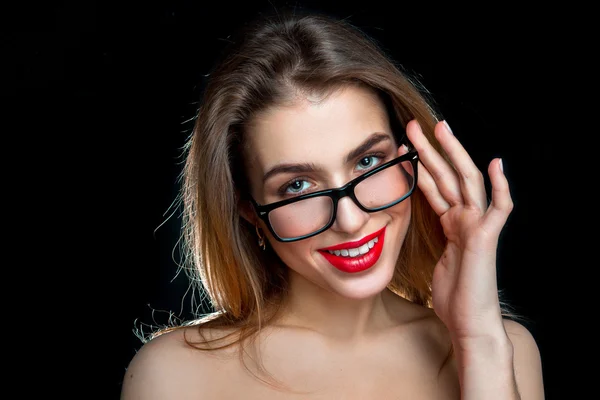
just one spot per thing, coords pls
(313, 307)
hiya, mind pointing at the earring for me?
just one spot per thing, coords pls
(261, 239)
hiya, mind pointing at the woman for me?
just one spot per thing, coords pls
(342, 233)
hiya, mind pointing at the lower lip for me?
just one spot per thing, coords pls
(359, 263)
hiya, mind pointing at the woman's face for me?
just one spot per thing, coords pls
(311, 146)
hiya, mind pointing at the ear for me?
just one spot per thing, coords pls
(246, 211)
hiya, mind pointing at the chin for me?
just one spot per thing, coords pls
(365, 284)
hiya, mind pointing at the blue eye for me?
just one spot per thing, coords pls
(368, 162)
(297, 187)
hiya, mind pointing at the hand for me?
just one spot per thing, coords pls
(464, 287)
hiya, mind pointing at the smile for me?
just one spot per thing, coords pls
(364, 249)
(356, 256)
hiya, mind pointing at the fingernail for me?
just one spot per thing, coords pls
(501, 166)
(448, 127)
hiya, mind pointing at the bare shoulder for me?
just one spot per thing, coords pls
(524, 344)
(170, 367)
(423, 319)
(424, 329)
(526, 359)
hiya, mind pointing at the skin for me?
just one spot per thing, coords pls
(352, 338)
(295, 135)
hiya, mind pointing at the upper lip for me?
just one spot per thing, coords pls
(358, 243)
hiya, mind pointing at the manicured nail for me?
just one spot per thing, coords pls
(501, 166)
(448, 127)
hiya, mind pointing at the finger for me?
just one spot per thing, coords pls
(441, 172)
(470, 177)
(402, 150)
(502, 204)
(427, 184)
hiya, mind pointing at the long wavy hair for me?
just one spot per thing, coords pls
(269, 63)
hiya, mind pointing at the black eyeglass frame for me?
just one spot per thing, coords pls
(336, 194)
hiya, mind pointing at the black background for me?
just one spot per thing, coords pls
(107, 90)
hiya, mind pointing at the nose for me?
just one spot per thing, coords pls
(349, 218)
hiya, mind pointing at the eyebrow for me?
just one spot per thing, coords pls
(371, 141)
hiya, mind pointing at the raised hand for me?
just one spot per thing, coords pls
(464, 287)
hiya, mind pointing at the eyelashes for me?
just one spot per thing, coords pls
(301, 184)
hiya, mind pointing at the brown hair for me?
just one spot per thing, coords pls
(268, 64)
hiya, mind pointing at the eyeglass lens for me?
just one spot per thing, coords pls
(307, 216)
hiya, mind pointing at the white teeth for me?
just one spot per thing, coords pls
(364, 249)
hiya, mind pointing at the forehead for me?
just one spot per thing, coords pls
(321, 132)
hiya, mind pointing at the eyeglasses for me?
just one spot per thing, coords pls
(308, 215)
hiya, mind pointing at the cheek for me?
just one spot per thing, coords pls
(289, 251)
(401, 216)
(296, 254)
(402, 210)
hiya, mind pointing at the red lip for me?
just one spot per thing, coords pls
(358, 243)
(360, 263)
